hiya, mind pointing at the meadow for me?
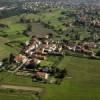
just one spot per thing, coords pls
(82, 83)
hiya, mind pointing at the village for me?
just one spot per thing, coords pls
(30, 60)
(36, 50)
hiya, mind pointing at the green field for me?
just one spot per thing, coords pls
(15, 33)
(83, 84)
(15, 97)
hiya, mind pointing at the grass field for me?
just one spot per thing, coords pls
(15, 97)
(84, 84)
(14, 33)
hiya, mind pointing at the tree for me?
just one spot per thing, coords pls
(22, 20)
(64, 71)
(50, 35)
(11, 58)
(98, 53)
(29, 28)
(77, 36)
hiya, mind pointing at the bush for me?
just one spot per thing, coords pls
(98, 53)
(11, 91)
(4, 35)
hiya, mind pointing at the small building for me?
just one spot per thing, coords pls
(42, 75)
(20, 58)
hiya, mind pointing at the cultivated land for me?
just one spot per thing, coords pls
(83, 82)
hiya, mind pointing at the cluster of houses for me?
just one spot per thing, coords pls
(35, 50)
(87, 16)
(42, 4)
(88, 21)
(43, 74)
(83, 48)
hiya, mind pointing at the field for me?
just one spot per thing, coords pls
(82, 83)
(15, 30)
(15, 97)
(83, 80)
(15, 33)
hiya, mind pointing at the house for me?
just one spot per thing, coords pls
(31, 47)
(78, 48)
(38, 56)
(27, 43)
(37, 61)
(21, 58)
(39, 51)
(33, 62)
(89, 45)
(71, 48)
(59, 48)
(42, 75)
(46, 42)
(53, 47)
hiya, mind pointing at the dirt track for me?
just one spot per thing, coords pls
(24, 88)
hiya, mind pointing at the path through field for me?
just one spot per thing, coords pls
(24, 88)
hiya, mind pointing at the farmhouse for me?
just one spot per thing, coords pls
(42, 75)
(20, 58)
